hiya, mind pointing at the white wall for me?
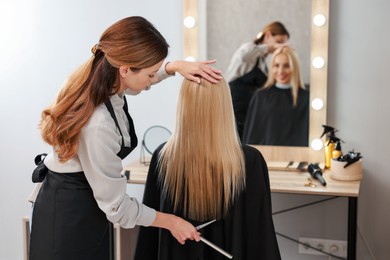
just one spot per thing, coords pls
(41, 42)
(358, 96)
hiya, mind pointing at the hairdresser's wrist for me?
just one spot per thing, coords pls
(171, 68)
(271, 48)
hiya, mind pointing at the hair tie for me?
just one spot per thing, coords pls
(94, 48)
(259, 35)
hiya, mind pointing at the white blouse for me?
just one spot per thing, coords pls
(244, 60)
(100, 141)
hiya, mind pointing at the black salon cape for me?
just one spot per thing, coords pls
(272, 119)
(247, 232)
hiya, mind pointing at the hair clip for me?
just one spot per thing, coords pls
(94, 48)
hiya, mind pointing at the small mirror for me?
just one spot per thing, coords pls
(153, 137)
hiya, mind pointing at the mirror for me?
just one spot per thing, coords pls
(196, 42)
(153, 137)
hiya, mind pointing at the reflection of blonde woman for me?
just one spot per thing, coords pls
(278, 113)
(247, 70)
(204, 173)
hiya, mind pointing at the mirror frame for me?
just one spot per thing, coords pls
(195, 47)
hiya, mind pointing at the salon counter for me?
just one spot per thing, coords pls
(292, 182)
(281, 182)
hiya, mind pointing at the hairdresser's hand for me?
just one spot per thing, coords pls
(179, 228)
(194, 70)
(183, 230)
(273, 46)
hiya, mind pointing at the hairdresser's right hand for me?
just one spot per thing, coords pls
(273, 46)
(192, 70)
(183, 230)
(179, 228)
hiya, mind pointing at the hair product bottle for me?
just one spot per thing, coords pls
(337, 152)
(329, 143)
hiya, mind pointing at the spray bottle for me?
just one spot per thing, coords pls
(329, 143)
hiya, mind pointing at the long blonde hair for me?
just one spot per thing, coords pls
(202, 164)
(132, 41)
(296, 78)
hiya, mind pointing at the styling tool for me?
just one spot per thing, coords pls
(210, 244)
(205, 224)
(316, 173)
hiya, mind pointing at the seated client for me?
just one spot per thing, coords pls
(204, 173)
(278, 113)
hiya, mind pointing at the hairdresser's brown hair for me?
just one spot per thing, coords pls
(275, 28)
(202, 164)
(296, 78)
(133, 42)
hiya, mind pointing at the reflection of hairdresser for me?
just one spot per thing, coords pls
(248, 69)
(204, 173)
(278, 114)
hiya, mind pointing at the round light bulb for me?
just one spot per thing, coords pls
(189, 22)
(317, 104)
(190, 58)
(316, 144)
(319, 20)
(318, 62)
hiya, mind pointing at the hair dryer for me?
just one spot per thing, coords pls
(316, 173)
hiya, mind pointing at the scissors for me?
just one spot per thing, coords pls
(212, 245)
(205, 224)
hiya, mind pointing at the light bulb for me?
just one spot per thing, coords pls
(190, 58)
(317, 104)
(319, 20)
(316, 144)
(318, 62)
(189, 22)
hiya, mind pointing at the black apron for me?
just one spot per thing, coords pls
(242, 90)
(67, 223)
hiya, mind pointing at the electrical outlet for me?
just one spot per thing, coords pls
(334, 247)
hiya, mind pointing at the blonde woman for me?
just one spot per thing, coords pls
(82, 191)
(204, 173)
(278, 114)
(247, 70)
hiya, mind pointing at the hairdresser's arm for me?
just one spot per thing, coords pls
(244, 59)
(249, 52)
(179, 228)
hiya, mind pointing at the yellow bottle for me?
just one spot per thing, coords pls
(336, 153)
(329, 143)
(329, 147)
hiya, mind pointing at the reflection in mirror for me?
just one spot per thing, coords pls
(278, 112)
(195, 43)
(225, 34)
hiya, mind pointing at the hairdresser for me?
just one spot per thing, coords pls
(80, 190)
(248, 70)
